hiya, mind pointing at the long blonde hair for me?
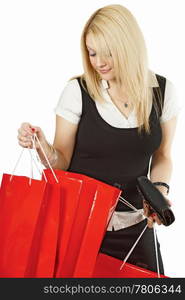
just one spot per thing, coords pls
(115, 30)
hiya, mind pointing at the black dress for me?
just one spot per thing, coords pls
(118, 156)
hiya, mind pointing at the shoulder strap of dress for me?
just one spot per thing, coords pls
(79, 81)
(86, 103)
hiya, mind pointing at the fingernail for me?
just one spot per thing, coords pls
(33, 129)
(154, 215)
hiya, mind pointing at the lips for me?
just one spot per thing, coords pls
(104, 71)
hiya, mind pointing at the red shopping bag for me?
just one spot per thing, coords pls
(42, 258)
(71, 189)
(109, 267)
(27, 225)
(104, 203)
(94, 205)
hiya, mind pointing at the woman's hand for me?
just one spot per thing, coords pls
(152, 217)
(26, 132)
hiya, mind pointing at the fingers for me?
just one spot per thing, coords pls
(24, 141)
(36, 129)
(153, 219)
(150, 222)
(151, 216)
(25, 134)
(156, 219)
(147, 213)
(146, 208)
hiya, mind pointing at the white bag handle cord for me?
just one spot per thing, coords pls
(33, 141)
(32, 159)
(136, 242)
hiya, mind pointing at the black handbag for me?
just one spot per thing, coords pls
(156, 200)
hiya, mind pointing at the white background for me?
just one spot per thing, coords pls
(40, 51)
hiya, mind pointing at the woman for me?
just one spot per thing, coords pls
(114, 123)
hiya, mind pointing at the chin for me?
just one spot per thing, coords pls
(106, 76)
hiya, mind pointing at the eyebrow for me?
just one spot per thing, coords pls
(90, 48)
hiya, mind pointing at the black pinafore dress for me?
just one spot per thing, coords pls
(117, 156)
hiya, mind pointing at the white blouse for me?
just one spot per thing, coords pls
(69, 107)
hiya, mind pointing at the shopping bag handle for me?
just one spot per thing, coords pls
(139, 237)
(32, 160)
(35, 137)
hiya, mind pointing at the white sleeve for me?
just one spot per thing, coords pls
(171, 106)
(69, 105)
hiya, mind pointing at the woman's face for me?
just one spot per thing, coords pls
(102, 65)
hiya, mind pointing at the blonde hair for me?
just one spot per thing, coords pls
(115, 31)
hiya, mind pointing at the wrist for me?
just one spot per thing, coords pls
(52, 159)
(46, 147)
(162, 190)
(162, 187)
(50, 154)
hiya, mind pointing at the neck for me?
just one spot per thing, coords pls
(112, 83)
(116, 90)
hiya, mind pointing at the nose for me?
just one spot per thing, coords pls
(100, 62)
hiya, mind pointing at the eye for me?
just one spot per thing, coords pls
(92, 54)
